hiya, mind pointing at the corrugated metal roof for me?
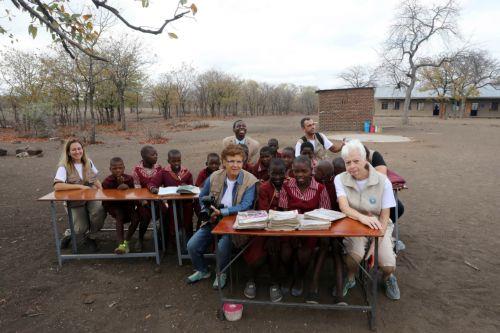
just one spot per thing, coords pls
(387, 92)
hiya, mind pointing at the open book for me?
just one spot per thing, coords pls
(183, 189)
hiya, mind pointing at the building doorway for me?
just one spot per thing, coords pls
(473, 109)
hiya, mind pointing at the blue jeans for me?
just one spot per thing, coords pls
(199, 243)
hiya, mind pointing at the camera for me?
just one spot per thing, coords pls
(207, 202)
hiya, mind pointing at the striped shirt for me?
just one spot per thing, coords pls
(307, 195)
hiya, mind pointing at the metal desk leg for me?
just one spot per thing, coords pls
(155, 232)
(220, 311)
(162, 228)
(373, 303)
(72, 228)
(177, 238)
(56, 232)
(396, 228)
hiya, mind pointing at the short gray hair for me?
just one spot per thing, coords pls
(352, 145)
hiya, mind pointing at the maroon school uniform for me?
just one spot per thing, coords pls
(169, 178)
(248, 167)
(202, 176)
(268, 199)
(315, 196)
(330, 188)
(142, 176)
(119, 209)
(260, 172)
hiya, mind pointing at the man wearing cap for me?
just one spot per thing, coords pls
(240, 138)
(319, 140)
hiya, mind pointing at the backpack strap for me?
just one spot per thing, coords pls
(320, 139)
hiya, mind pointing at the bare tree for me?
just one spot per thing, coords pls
(440, 81)
(125, 66)
(416, 25)
(359, 76)
(470, 72)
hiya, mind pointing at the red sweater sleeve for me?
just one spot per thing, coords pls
(157, 180)
(201, 178)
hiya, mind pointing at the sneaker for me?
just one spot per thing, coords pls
(275, 294)
(297, 287)
(122, 248)
(223, 280)
(391, 288)
(65, 241)
(139, 245)
(197, 276)
(250, 290)
(91, 244)
(349, 284)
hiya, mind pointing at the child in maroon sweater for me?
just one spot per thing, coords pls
(274, 145)
(122, 211)
(303, 193)
(263, 248)
(174, 174)
(287, 155)
(212, 164)
(247, 166)
(324, 175)
(261, 168)
(142, 174)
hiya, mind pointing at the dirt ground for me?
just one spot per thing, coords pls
(452, 212)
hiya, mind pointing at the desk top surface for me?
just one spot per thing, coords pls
(345, 227)
(106, 195)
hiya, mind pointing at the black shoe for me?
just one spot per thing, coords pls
(65, 241)
(312, 297)
(91, 244)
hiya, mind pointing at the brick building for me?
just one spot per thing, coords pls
(345, 109)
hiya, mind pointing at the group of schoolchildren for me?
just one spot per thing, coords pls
(286, 182)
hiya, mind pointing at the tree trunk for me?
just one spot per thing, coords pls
(122, 109)
(92, 114)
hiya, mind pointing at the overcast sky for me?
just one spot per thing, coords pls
(300, 42)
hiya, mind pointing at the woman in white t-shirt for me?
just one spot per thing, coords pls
(77, 172)
(366, 195)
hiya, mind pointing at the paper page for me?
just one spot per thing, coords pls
(167, 190)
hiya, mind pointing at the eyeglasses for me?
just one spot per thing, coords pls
(234, 162)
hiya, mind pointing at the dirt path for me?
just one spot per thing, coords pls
(452, 211)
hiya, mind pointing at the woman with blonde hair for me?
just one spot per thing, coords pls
(77, 172)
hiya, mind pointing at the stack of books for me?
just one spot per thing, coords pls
(324, 214)
(319, 219)
(251, 219)
(283, 221)
(313, 224)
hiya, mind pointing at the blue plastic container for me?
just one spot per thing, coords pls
(367, 126)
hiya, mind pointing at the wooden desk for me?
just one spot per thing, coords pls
(116, 195)
(345, 227)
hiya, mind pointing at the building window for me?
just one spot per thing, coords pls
(385, 105)
(494, 106)
(420, 106)
(396, 105)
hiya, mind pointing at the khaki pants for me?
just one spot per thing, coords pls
(88, 218)
(386, 256)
